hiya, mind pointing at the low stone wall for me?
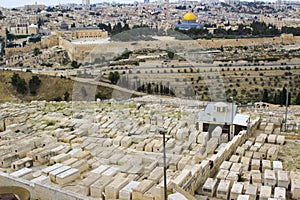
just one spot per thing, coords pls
(39, 191)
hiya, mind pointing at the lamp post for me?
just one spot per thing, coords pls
(232, 107)
(286, 109)
(163, 131)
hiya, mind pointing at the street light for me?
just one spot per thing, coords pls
(286, 109)
(232, 107)
(163, 131)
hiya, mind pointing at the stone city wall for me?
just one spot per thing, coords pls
(9, 52)
(217, 43)
(49, 41)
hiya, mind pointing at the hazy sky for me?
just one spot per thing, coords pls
(18, 3)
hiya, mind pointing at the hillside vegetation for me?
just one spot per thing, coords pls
(50, 88)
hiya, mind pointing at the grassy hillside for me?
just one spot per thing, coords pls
(51, 88)
(244, 83)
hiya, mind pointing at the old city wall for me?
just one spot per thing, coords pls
(38, 191)
(217, 43)
(109, 50)
(9, 52)
(49, 41)
(81, 51)
(68, 46)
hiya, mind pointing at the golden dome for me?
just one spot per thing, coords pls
(189, 17)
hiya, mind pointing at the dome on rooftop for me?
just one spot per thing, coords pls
(189, 17)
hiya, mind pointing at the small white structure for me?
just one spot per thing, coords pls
(209, 187)
(283, 179)
(256, 178)
(24, 173)
(265, 192)
(255, 164)
(280, 139)
(236, 190)
(54, 173)
(98, 187)
(236, 167)
(202, 138)
(295, 188)
(269, 178)
(277, 165)
(240, 151)
(266, 164)
(139, 191)
(226, 165)
(47, 170)
(223, 189)
(251, 190)
(280, 193)
(243, 197)
(112, 190)
(126, 192)
(232, 177)
(67, 176)
(245, 163)
(272, 153)
(222, 174)
(272, 139)
(42, 180)
(216, 133)
(176, 196)
(234, 159)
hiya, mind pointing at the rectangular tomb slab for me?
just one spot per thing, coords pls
(236, 190)
(112, 190)
(280, 193)
(209, 187)
(21, 172)
(98, 187)
(270, 178)
(67, 176)
(141, 189)
(283, 179)
(42, 179)
(251, 190)
(223, 189)
(126, 192)
(265, 192)
(47, 170)
(54, 173)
